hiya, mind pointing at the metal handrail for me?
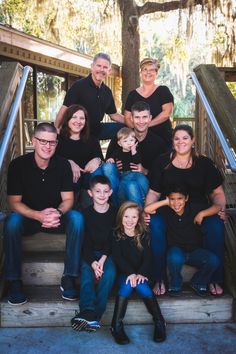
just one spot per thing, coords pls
(224, 144)
(13, 114)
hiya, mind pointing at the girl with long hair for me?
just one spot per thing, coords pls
(131, 254)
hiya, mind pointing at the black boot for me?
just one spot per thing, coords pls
(117, 327)
(159, 322)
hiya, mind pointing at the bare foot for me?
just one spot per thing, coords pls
(159, 289)
(215, 289)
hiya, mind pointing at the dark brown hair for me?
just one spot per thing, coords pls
(65, 130)
(189, 131)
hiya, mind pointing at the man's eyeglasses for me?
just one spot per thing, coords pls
(45, 142)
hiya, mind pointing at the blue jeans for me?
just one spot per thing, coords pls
(17, 226)
(125, 290)
(127, 185)
(83, 181)
(94, 297)
(204, 260)
(213, 230)
(109, 130)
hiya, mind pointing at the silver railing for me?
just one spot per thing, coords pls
(228, 151)
(13, 114)
(211, 141)
(11, 134)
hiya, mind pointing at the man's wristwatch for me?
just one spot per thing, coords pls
(60, 212)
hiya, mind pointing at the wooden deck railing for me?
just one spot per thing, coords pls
(224, 106)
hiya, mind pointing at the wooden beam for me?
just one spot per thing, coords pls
(220, 99)
(9, 77)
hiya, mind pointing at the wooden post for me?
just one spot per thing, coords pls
(220, 99)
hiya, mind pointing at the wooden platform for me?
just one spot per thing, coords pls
(42, 269)
(46, 309)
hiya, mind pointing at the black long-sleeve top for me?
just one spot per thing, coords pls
(98, 232)
(81, 152)
(126, 158)
(128, 258)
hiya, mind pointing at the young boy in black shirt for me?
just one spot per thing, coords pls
(97, 273)
(185, 240)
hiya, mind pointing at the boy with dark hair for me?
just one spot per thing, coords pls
(185, 240)
(97, 273)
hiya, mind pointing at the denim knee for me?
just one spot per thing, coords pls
(13, 223)
(213, 261)
(175, 256)
(74, 217)
(213, 228)
(125, 290)
(144, 290)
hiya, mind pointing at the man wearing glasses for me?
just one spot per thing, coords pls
(40, 195)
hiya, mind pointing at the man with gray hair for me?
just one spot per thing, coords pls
(40, 195)
(96, 97)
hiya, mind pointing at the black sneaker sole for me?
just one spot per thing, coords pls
(81, 324)
(68, 298)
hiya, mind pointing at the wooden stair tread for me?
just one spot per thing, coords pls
(44, 242)
(47, 308)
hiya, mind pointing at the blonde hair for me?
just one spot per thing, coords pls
(150, 61)
(140, 228)
(124, 133)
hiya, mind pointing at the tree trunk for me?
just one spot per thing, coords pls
(130, 14)
(130, 47)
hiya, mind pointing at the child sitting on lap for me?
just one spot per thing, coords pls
(127, 158)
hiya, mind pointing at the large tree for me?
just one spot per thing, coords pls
(93, 25)
(131, 12)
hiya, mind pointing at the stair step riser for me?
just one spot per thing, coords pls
(42, 273)
(59, 313)
(50, 273)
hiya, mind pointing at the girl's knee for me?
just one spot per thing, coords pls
(144, 290)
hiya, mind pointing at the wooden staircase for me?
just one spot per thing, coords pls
(42, 270)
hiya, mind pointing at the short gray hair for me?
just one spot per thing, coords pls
(102, 56)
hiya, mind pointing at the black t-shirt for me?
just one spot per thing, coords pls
(96, 100)
(39, 188)
(200, 180)
(158, 98)
(149, 149)
(181, 230)
(126, 158)
(81, 152)
(98, 232)
(128, 258)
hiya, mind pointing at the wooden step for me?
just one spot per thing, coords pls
(44, 242)
(46, 268)
(42, 268)
(46, 309)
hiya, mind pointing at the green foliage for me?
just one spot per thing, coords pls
(232, 87)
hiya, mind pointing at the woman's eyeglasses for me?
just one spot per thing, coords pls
(146, 71)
